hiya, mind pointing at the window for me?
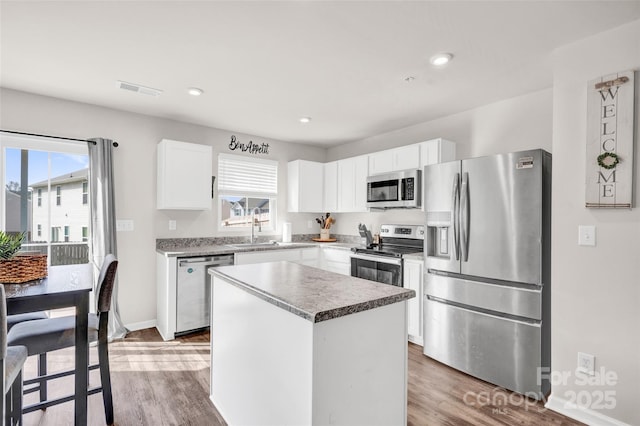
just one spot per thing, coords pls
(85, 192)
(85, 234)
(247, 188)
(36, 174)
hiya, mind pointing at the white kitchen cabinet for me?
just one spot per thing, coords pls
(391, 160)
(305, 186)
(310, 256)
(184, 176)
(413, 280)
(436, 151)
(335, 259)
(330, 187)
(307, 256)
(352, 184)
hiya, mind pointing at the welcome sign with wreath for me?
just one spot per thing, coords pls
(610, 115)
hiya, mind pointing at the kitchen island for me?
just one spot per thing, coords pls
(293, 344)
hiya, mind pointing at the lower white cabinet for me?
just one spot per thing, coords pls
(336, 259)
(306, 256)
(413, 280)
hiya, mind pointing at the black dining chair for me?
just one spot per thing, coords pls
(47, 335)
(12, 360)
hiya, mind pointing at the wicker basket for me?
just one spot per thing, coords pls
(22, 268)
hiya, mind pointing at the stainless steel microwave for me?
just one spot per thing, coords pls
(401, 189)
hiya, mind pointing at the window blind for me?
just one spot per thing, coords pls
(247, 176)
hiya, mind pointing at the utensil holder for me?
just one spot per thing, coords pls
(325, 234)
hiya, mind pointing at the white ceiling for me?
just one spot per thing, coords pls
(263, 65)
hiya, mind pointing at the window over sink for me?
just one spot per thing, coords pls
(247, 189)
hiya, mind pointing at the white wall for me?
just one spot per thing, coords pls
(596, 290)
(515, 124)
(135, 179)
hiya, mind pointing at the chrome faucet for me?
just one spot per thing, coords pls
(255, 221)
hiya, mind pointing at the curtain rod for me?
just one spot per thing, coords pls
(115, 144)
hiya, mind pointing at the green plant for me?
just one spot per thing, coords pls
(10, 244)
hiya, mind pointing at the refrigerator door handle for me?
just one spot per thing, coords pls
(464, 217)
(455, 202)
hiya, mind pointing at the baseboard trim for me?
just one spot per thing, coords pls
(581, 414)
(141, 325)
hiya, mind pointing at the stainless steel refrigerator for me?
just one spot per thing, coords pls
(488, 268)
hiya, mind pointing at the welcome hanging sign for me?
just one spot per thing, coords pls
(610, 115)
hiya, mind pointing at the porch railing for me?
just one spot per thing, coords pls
(62, 253)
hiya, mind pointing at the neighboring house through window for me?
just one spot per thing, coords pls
(247, 187)
(37, 173)
(85, 192)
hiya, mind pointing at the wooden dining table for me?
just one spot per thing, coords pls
(65, 286)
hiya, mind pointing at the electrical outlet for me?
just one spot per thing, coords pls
(309, 224)
(586, 363)
(172, 225)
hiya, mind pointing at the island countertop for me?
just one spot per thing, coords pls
(311, 293)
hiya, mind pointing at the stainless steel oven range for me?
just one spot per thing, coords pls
(384, 262)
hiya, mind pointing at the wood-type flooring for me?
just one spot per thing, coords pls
(167, 383)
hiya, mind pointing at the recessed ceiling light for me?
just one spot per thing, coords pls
(305, 120)
(194, 91)
(441, 59)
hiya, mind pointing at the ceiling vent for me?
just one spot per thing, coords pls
(132, 87)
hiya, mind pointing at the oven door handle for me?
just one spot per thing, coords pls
(380, 259)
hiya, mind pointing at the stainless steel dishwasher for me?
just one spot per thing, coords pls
(193, 292)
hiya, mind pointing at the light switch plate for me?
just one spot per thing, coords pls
(124, 225)
(172, 225)
(586, 235)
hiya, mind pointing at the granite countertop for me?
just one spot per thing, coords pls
(311, 293)
(414, 256)
(213, 249)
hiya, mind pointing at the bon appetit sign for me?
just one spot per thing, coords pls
(610, 115)
(248, 147)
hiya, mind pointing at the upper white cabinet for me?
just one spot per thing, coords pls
(330, 187)
(414, 156)
(436, 151)
(352, 184)
(184, 175)
(391, 160)
(305, 186)
(341, 186)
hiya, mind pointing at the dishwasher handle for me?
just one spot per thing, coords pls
(207, 261)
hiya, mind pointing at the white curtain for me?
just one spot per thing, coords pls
(103, 220)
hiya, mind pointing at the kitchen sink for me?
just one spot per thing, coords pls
(249, 245)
